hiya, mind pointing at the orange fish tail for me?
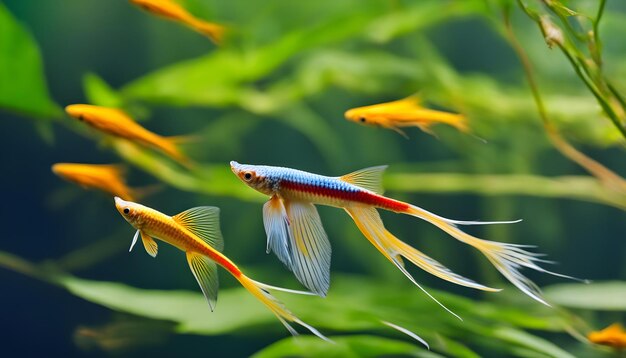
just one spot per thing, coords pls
(507, 258)
(261, 292)
(461, 123)
(172, 149)
(213, 31)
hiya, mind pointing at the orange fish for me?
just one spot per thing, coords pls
(406, 112)
(117, 123)
(106, 177)
(197, 232)
(172, 11)
(613, 336)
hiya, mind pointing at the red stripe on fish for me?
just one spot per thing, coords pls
(360, 196)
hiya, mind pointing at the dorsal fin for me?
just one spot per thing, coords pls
(413, 100)
(204, 222)
(369, 178)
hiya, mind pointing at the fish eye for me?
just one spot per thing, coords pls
(247, 176)
(126, 210)
(362, 119)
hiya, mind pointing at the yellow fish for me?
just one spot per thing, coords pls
(405, 112)
(117, 123)
(106, 177)
(613, 336)
(197, 232)
(170, 10)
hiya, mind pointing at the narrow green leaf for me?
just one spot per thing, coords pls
(23, 86)
(601, 296)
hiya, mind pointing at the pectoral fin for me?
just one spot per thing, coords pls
(151, 246)
(132, 244)
(205, 272)
(310, 249)
(277, 229)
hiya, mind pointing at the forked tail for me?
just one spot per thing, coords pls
(507, 258)
(261, 292)
(369, 222)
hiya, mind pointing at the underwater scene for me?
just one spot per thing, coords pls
(355, 178)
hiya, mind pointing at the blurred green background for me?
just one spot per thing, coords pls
(275, 94)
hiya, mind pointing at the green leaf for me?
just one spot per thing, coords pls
(351, 346)
(99, 92)
(601, 296)
(530, 342)
(23, 86)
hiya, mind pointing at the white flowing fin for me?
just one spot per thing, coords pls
(277, 229)
(132, 244)
(407, 332)
(204, 222)
(369, 178)
(205, 272)
(309, 246)
(509, 259)
(151, 246)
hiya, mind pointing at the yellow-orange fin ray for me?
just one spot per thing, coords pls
(204, 222)
(149, 244)
(261, 292)
(205, 272)
(509, 259)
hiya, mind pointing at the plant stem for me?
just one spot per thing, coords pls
(608, 177)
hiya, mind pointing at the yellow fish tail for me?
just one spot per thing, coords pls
(211, 30)
(460, 122)
(507, 258)
(261, 292)
(172, 148)
(370, 224)
(431, 117)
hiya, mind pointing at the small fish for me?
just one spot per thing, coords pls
(296, 235)
(117, 123)
(406, 112)
(170, 10)
(197, 232)
(106, 177)
(613, 336)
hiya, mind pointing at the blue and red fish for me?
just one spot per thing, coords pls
(296, 235)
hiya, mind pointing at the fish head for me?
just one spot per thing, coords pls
(89, 114)
(132, 212)
(254, 176)
(64, 170)
(357, 116)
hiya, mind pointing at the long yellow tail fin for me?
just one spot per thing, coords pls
(507, 258)
(261, 292)
(369, 222)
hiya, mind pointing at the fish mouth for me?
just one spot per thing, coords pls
(234, 166)
(119, 202)
(56, 169)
